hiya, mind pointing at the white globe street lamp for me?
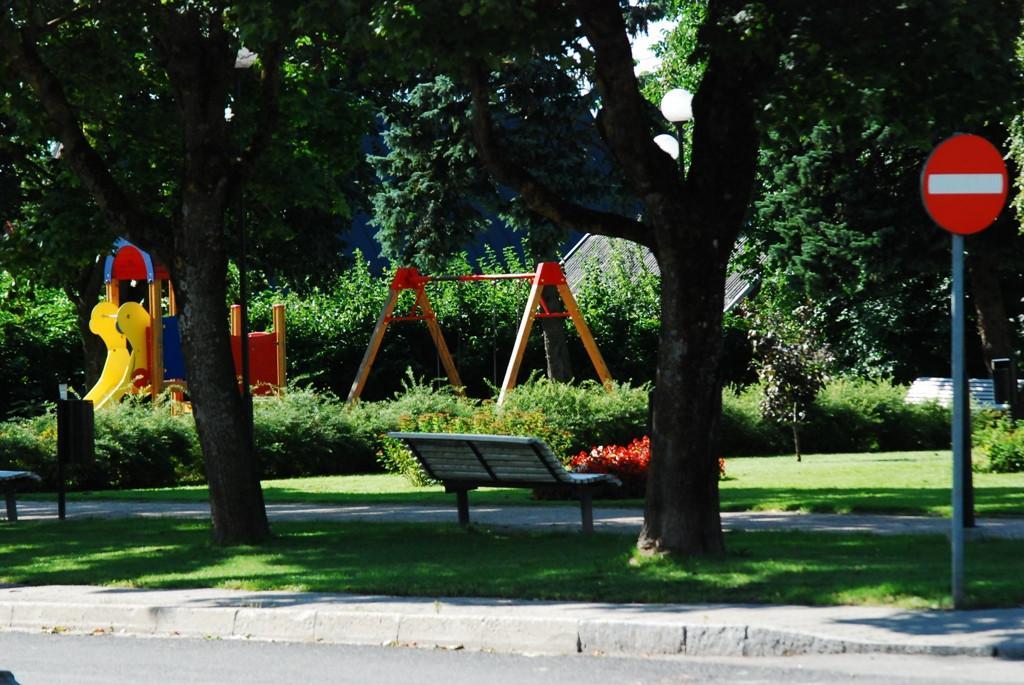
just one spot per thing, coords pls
(677, 107)
(668, 144)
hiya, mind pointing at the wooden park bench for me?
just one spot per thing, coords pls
(465, 462)
(10, 482)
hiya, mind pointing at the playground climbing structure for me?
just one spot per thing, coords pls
(144, 345)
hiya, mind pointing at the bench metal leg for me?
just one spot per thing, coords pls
(463, 499)
(587, 511)
(12, 506)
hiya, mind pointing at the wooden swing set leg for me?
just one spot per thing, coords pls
(589, 344)
(439, 343)
(519, 349)
(371, 350)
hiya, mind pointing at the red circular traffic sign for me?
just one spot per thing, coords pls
(964, 184)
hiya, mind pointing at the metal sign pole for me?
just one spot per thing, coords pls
(959, 415)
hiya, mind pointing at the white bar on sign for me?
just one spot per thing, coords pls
(965, 184)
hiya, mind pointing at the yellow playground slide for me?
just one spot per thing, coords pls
(120, 328)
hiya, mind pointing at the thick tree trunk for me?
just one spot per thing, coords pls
(197, 52)
(682, 509)
(556, 342)
(236, 500)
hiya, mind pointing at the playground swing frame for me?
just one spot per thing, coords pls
(547, 274)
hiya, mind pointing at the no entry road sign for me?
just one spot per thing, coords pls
(964, 184)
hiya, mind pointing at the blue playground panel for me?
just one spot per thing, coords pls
(174, 362)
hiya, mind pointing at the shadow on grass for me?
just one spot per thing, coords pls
(446, 561)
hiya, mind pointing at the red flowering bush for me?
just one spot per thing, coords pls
(627, 462)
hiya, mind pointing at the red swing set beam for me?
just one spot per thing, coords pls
(548, 274)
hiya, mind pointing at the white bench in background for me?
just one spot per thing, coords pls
(933, 389)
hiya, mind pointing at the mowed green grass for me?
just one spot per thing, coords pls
(445, 560)
(887, 482)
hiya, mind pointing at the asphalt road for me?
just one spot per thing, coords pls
(46, 659)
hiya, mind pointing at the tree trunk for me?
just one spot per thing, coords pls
(795, 425)
(236, 500)
(682, 509)
(987, 296)
(197, 52)
(556, 343)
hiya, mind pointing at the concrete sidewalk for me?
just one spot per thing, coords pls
(513, 626)
(606, 519)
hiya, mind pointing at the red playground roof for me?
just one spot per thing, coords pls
(129, 263)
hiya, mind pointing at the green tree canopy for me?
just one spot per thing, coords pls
(137, 94)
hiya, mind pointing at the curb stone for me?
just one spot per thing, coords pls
(508, 626)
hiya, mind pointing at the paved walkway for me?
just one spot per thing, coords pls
(518, 626)
(606, 519)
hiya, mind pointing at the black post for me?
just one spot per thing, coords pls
(650, 413)
(586, 510)
(1004, 386)
(61, 496)
(968, 473)
(75, 442)
(243, 290)
(462, 499)
(679, 139)
(243, 296)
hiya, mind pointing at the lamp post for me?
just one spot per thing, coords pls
(677, 107)
(243, 60)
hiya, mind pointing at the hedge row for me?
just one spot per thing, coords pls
(139, 444)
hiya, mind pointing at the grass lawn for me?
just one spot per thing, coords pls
(895, 482)
(441, 560)
(892, 482)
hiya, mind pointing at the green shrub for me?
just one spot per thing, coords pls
(416, 397)
(849, 415)
(743, 431)
(30, 444)
(1001, 443)
(137, 445)
(303, 433)
(140, 444)
(859, 415)
(587, 412)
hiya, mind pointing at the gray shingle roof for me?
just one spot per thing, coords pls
(638, 260)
